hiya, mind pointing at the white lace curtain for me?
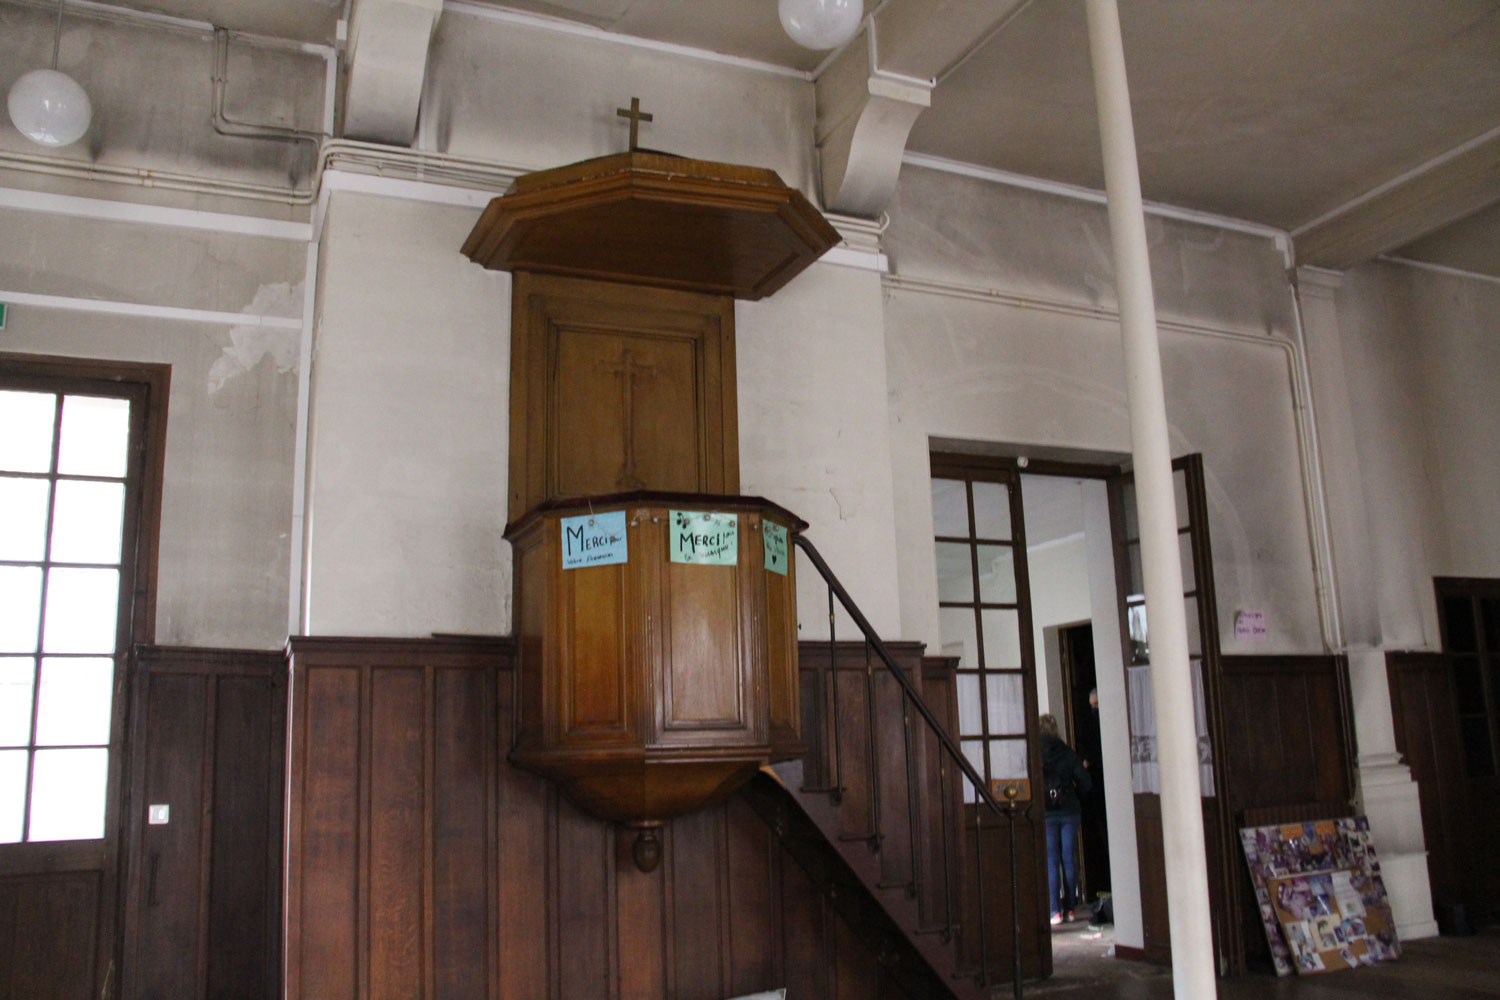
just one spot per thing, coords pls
(1145, 773)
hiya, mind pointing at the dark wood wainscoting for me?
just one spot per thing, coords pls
(48, 928)
(391, 821)
(1155, 933)
(1290, 755)
(421, 864)
(942, 901)
(202, 913)
(1288, 731)
(1424, 707)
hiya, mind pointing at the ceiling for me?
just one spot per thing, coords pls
(1364, 127)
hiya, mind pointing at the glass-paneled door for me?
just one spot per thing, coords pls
(1201, 613)
(80, 474)
(984, 621)
(983, 615)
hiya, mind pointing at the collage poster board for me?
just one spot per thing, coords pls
(1320, 895)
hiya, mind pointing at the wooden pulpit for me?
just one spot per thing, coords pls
(653, 679)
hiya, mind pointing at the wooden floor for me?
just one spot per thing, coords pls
(1442, 968)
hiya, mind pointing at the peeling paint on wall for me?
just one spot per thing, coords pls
(249, 343)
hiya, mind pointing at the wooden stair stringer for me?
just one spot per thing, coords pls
(799, 817)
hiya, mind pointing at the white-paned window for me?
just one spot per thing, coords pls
(70, 502)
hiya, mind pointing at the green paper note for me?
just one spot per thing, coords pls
(774, 536)
(703, 537)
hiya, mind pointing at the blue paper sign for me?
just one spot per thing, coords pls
(594, 540)
(774, 537)
(705, 538)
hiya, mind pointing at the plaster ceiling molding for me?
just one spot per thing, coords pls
(1423, 201)
(388, 45)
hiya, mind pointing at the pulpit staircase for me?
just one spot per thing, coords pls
(886, 810)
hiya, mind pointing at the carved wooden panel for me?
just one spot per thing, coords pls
(48, 925)
(705, 677)
(1285, 731)
(440, 871)
(391, 845)
(202, 911)
(1428, 736)
(617, 388)
(597, 692)
(637, 424)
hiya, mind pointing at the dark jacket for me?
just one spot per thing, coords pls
(1061, 766)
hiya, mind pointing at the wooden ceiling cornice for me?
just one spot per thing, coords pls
(655, 219)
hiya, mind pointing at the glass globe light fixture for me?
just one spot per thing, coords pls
(820, 24)
(49, 107)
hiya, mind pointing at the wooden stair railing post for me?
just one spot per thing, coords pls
(984, 950)
(875, 836)
(833, 666)
(947, 862)
(1015, 902)
(911, 799)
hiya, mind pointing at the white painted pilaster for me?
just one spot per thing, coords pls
(1386, 793)
(1384, 789)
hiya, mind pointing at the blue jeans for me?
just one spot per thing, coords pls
(1062, 850)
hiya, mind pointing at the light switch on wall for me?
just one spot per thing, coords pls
(156, 815)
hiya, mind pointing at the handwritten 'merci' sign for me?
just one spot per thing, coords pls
(703, 537)
(594, 540)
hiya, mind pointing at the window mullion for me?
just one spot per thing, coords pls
(41, 614)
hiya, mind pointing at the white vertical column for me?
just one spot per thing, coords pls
(1171, 682)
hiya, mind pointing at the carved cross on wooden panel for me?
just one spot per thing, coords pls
(628, 370)
(636, 116)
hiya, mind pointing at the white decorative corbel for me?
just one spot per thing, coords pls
(864, 116)
(388, 44)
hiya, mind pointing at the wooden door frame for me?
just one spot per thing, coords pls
(148, 386)
(984, 468)
(1016, 467)
(1219, 832)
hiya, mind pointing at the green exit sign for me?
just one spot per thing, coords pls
(2, 315)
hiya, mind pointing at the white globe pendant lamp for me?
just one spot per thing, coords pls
(49, 107)
(820, 24)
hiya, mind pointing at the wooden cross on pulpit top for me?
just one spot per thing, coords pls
(636, 116)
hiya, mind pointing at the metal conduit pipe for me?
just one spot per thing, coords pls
(424, 165)
(224, 125)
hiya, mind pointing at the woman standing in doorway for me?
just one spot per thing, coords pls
(1066, 779)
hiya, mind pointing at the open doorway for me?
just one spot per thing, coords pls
(1070, 551)
(1076, 644)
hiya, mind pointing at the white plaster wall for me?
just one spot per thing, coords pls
(545, 99)
(974, 232)
(1456, 321)
(1040, 364)
(152, 93)
(1403, 535)
(1419, 358)
(987, 372)
(410, 427)
(812, 404)
(1059, 596)
(226, 499)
